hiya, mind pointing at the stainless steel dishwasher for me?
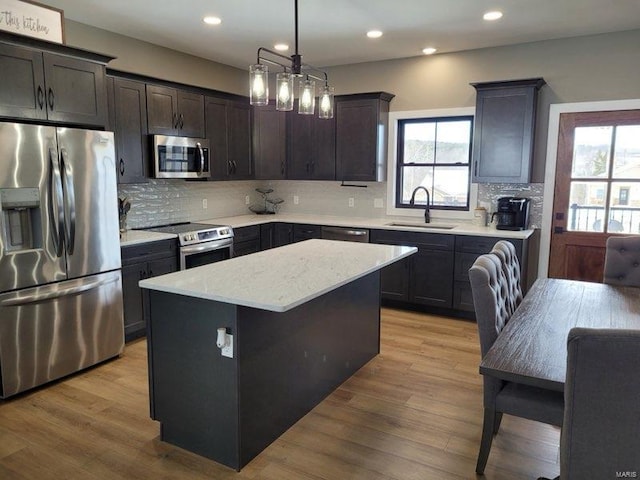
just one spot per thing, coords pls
(346, 234)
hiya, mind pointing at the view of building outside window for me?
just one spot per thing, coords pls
(605, 180)
(435, 153)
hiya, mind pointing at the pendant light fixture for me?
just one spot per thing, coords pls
(292, 67)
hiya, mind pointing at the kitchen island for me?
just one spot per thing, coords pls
(303, 319)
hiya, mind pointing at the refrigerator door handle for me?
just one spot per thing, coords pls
(69, 203)
(56, 205)
(47, 293)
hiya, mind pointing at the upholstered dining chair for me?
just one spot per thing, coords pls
(601, 432)
(506, 252)
(622, 261)
(490, 299)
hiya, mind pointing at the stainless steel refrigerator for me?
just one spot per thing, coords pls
(60, 279)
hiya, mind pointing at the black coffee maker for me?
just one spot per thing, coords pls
(512, 214)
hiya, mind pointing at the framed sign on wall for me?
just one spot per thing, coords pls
(32, 19)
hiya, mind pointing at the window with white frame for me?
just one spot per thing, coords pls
(434, 153)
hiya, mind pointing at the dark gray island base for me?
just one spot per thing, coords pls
(284, 364)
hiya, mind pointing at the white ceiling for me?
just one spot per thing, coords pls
(332, 32)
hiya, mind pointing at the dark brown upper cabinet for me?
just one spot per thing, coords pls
(40, 85)
(128, 120)
(269, 143)
(362, 126)
(172, 111)
(312, 147)
(228, 129)
(504, 128)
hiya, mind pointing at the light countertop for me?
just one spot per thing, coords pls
(460, 227)
(134, 237)
(281, 278)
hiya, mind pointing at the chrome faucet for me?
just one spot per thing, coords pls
(427, 217)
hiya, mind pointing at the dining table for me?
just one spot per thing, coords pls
(532, 347)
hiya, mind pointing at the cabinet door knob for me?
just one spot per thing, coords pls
(121, 167)
(51, 98)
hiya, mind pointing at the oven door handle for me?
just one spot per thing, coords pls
(205, 247)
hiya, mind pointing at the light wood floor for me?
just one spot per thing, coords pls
(413, 412)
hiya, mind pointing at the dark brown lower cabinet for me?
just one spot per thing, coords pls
(437, 276)
(139, 262)
(468, 248)
(425, 278)
(246, 240)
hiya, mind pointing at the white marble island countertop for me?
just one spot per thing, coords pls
(281, 278)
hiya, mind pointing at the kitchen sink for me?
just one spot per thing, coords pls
(429, 226)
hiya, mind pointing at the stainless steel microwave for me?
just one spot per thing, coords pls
(180, 157)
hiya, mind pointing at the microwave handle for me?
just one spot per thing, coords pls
(201, 158)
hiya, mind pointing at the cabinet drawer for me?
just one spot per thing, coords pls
(242, 234)
(149, 251)
(305, 232)
(475, 244)
(434, 241)
(247, 247)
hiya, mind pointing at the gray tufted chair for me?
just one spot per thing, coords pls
(622, 261)
(490, 300)
(506, 252)
(601, 433)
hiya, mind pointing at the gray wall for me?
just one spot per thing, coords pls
(598, 67)
(590, 68)
(144, 58)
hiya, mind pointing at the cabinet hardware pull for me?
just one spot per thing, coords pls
(181, 121)
(235, 166)
(121, 167)
(40, 97)
(175, 120)
(51, 98)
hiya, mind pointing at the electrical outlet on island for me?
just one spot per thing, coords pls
(351, 202)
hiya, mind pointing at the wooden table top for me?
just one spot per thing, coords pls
(532, 348)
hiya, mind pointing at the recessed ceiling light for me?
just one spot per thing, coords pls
(212, 20)
(494, 15)
(281, 47)
(374, 34)
(429, 50)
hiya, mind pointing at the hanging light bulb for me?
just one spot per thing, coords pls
(325, 109)
(284, 86)
(307, 103)
(258, 84)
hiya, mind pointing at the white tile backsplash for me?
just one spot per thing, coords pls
(168, 201)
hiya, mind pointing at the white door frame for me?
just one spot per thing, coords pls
(555, 110)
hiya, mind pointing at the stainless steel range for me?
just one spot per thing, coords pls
(200, 244)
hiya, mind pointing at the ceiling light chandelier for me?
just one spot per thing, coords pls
(292, 67)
